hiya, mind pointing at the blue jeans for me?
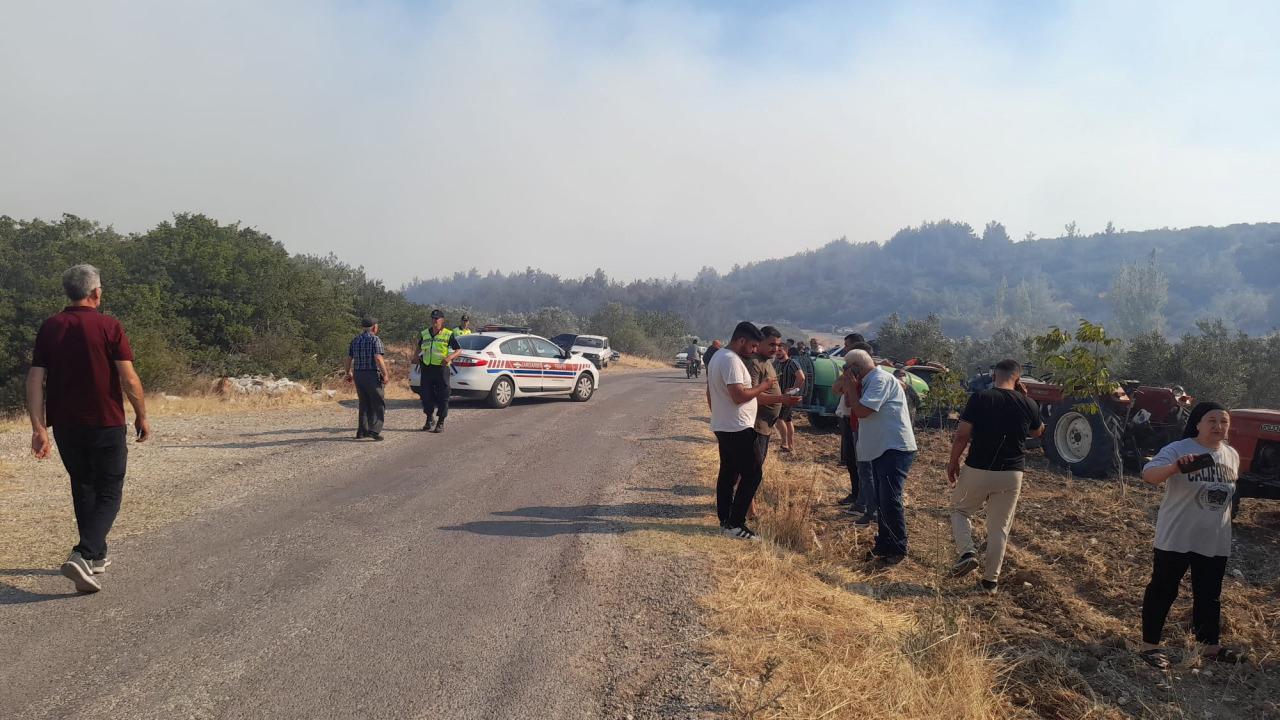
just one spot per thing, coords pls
(890, 470)
(866, 502)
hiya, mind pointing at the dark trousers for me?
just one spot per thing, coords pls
(435, 390)
(1206, 594)
(849, 453)
(890, 473)
(762, 451)
(95, 459)
(373, 401)
(740, 474)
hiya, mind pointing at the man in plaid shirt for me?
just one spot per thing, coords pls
(368, 369)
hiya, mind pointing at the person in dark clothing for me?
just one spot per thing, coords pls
(994, 426)
(860, 500)
(367, 368)
(439, 348)
(80, 366)
(712, 349)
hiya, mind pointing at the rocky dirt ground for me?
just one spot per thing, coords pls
(1060, 635)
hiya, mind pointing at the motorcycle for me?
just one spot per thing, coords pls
(693, 368)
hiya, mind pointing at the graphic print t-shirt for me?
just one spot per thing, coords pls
(1195, 515)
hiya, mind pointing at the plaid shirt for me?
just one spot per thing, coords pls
(362, 349)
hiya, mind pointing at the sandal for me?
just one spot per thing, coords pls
(1226, 655)
(1156, 658)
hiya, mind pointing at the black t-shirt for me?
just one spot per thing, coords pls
(706, 356)
(1001, 420)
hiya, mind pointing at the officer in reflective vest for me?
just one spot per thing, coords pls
(464, 326)
(439, 348)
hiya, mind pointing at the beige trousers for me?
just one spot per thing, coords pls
(998, 490)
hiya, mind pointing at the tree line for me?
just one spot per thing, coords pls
(197, 297)
(200, 298)
(976, 283)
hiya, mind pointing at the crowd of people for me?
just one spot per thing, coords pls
(748, 396)
(82, 371)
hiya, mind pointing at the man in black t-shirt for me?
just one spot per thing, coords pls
(994, 426)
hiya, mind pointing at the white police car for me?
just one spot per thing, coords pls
(500, 367)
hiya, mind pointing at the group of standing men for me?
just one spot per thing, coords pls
(367, 369)
(878, 444)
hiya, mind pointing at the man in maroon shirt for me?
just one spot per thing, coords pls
(81, 363)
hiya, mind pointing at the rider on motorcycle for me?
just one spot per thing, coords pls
(692, 360)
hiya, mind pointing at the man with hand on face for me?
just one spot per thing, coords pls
(732, 399)
(887, 441)
(439, 348)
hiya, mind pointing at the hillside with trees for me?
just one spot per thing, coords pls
(975, 283)
(198, 298)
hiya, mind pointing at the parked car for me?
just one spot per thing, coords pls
(592, 347)
(500, 367)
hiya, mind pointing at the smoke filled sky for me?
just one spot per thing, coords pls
(646, 138)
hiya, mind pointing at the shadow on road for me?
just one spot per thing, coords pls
(551, 520)
(270, 443)
(10, 595)
(677, 438)
(683, 490)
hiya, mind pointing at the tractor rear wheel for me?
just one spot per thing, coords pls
(1084, 443)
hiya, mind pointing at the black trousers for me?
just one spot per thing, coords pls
(373, 401)
(95, 458)
(1206, 594)
(435, 390)
(849, 452)
(741, 469)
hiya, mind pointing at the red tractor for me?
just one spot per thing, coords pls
(1130, 426)
(1135, 421)
(1255, 434)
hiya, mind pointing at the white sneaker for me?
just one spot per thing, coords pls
(77, 570)
(741, 533)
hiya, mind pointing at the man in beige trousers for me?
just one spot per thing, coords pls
(994, 425)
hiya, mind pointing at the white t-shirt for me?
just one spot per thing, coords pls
(889, 427)
(1195, 515)
(726, 369)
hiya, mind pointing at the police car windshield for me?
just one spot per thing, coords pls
(588, 342)
(475, 342)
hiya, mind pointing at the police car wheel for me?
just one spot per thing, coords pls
(583, 389)
(502, 393)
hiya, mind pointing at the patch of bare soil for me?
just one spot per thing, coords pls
(1066, 621)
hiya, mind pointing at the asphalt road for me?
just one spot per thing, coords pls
(463, 575)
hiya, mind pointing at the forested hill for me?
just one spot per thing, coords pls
(975, 282)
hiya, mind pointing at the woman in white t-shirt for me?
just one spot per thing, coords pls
(1193, 531)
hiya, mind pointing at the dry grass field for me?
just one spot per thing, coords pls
(802, 628)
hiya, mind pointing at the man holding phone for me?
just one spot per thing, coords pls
(80, 365)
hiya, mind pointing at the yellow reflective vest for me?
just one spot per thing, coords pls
(436, 348)
(462, 331)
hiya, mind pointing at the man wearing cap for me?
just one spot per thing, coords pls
(464, 326)
(368, 369)
(439, 348)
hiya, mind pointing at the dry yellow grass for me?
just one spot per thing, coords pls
(637, 362)
(795, 635)
(803, 629)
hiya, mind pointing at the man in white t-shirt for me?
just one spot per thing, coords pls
(732, 400)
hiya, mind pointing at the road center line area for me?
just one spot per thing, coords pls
(478, 573)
